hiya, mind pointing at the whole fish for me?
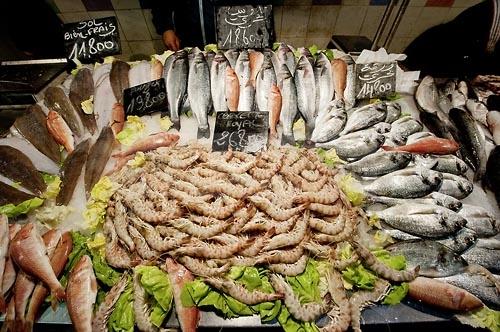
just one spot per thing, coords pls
(71, 170)
(393, 112)
(266, 78)
(458, 100)
(413, 138)
(436, 126)
(269, 54)
(140, 73)
(471, 141)
(104, 98)
(33, 126)
(442, 295)
(493, 120)
(81, 89)
(167, 65)
(427, 97)
(274, 107)
(256, 59)
(355, 145)
(218, 81)
(433, 198)
(480, 220)
(40, 161)
(365, 117)
(492, 175)
(100, 321)
(406, 183)
(380, 163)
(247, 91)
(232, 89)
(478, 110)
(431, 221)
(156, 69)
(61, 132)
(286, 56)
(10, 194)
(329, 124)
(304, 51)
(56, 100)
(199, 94)
(476, 284)
(288, 105)
(209, 56)
(349, 91)
(19, 168)
(456, 186)
(339, 74)
(445, 164)
(430, 145)
(179, 276)
(99, 155)
(117, 119)
(82, 293)
(323, 77)
(488, 258)
(404, 127)
(435, 260)
(150, 143)
(232, 56)
(460, 241)
(29, 253)
(177, 81)
(58, 262)
(306, 93)
(9, 274)
(118, 76)
(4, 248)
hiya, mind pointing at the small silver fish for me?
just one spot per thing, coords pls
(355, 145)
(456, 186)
(380, 163)
(434, 198)
(329, 124)
(199, 94)
(288, 105)
(480, 220)
(365, 117)
(306, 93)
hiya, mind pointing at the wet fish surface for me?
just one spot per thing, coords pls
(99, 155)
(434, 198)
(488, 258)
(266, 78)
(380, 163)
(56, 100)
(445, 164)
(456, 186)
(480, 220)
(288, 104)
(81, 89)
(19, 168)
(177, 81)
(306, 93)
(355, 145)
(329, 124)
(365, 117)
(476, 284)
(199, 94)
(323, 77)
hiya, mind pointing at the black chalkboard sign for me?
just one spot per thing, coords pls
(146, 98)
(92, 39)
(375, 79)
(241, 131)
(244, 26)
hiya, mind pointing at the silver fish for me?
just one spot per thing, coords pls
(431, 221)
(304, 51)
(286, 56)
(247, 91)
(349, 92)
(445, 164)
(232, 56)
(418, 136)
(288, 105)
(329, 124)
(355, 145)
(480, 220)
(167, 65)
(456, 186)
(461, 241)
(489, 243)
(435, 198)
(177, 85)
(427, 97)
(199, 93)
(266, 78)
(393, 112)
(434, 259)
(478, 110)
(365, 117)
(380, 163)
(404, 127)
(324, 83)
(218, 81)
(488, 258)
(306, 93)
(406, 183)
(269, 54)
(476, 284)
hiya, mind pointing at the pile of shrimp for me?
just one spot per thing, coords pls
(210, 211)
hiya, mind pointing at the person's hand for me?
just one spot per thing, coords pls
(171, 41)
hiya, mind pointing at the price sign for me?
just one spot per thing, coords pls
(92, 39)
(244, 26)
(375, 79)
(241, 131)
(146, 98)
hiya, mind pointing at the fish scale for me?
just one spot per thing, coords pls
(288, 105)
(177, 80)
(199, 94)
(306, 93)
(218, 81)
(324, 83)
(265, 79)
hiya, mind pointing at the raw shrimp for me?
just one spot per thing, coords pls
(240, 293)
(295, 236)
(290, 270)
(273, 211)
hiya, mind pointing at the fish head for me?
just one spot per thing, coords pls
(321, 60)
(468, 236)
(382, 127)
(401, 157)
(305, 52)
(284, 72)
(465, 187)
(380, 139)
(220, 57)
(431, 178)
(380, 107)
(25, 232)
(303, 64)
(394, 105)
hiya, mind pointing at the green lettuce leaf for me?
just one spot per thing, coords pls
(211, 47)
(103, 272)
(276, 46)
(122, 318)
(132, 131)
(396, 294)
(157, 284)
(358, 276)
(157, 315)
(329, 157)
(289, 324)
(352, 189)
(95, 211)
(397, 262)
(484, 318)
(12, 210)
(305, 285)
(314, 50)
(53, 183)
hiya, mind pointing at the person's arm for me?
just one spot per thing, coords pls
(162, 20)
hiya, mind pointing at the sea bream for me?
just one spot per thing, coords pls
(306, 93)
(56, 100)
(433, 198)
(218, 81)
(199, 94)
(19, 168)
(266, 78)
(80, 90)
(488, 258)
(247, 91)
(288, 105)
(446, 164)
(456, 186)
(355, 145)
(404, 127)
(365, 117)
(480, 220)
(393, 112)
(323, 78)
(177, 81)
(380, 163)
(329, 124)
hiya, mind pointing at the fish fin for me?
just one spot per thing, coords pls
(57, 295)
(203, 132)
(309, 129)
(287, 139)
(388, 148)
(3, 305)
(177, 125)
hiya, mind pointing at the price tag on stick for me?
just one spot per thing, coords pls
(375, 79)
(241, 131)
(146, 98)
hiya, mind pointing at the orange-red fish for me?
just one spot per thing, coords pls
(232, 89)
(429, 145)
(339, 71)
(4, 248)
(117, 118)
(9, 275)
(255, 59)
(60, 131)
(274, 106)
(150, 143)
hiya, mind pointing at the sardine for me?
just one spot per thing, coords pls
(445, 164)
(434, 259)
(306, 93)
(456, 186)
(179, 276)
(177, 81)
(82, 293)
(150, 143)
(81, 89)
(329, 124)
(10, 194)
(99, 155)
(100, 321)
(471, 141)
(323, 77)
(476, 284)
(29, 253)
(104, 98)
(406, 183)
(56, 100)
(274, 108)
(286, 56)
(339, 74)
(288, 104)
(404, 127)
(60, 130)
(488, 258)
(218, 81)
(199, 94)
(71, 170)
(118, 76)
(393, 112)
(256, 59)
(4, 248)
(365, 117)
(232, 89)
(433, 198)
(32, 125)
(431, 221)
(493, 120)
(480, 220)
(380, 163)
(232, 56)
(266, 78)
(492, 176)
(430, 145)
(247, 91)
(19, 168)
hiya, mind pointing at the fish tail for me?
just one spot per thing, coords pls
(309, 129)
(204, 132)
(388, 148)
(287, 139)
(57, 295)
(177, 124)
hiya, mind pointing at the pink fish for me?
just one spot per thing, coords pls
(4, 248)
(232, 89)
(60, 131)
(29, 253)
(150, 143)
(432, 145)
(82, 293)
(179, 276)
(255, 59)
(274, 106)
(9, 275)
(117, 118)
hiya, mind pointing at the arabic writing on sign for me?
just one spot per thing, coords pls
(146, 98)
(375, 79)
